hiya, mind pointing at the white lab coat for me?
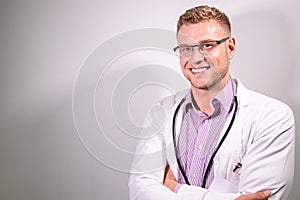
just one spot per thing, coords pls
(262, 138)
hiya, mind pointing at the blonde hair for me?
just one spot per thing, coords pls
(203, 14)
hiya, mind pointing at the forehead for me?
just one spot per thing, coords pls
(201, 31)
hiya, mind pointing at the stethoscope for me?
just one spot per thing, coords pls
(210, 163)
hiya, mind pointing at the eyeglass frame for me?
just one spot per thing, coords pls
(218, 42)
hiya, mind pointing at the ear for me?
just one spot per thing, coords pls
(231, 47)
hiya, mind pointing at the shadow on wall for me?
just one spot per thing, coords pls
(265, 62)
(265, 57)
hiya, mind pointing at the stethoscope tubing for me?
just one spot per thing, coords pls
(210, 163)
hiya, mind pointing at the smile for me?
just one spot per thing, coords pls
(199, 70)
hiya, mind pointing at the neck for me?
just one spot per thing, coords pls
(202, 97)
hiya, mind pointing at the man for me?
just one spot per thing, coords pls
(217, 140)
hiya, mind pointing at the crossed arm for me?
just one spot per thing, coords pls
(171, 182)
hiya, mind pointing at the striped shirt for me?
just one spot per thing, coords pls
(199, 135)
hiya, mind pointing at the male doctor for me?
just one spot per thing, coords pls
(216, 140)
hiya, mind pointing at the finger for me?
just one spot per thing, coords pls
(262, 195)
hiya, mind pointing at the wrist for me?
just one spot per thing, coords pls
(177, 187)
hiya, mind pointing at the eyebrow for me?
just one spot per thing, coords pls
(207, 40)
(201, 42)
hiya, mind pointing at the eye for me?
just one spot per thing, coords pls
(185, 49)
(208, 45)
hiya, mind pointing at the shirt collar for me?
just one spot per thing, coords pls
(224, 97)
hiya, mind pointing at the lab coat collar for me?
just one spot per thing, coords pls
(242, 94)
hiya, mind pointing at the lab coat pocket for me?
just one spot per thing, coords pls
(234, 170)
(229, 165)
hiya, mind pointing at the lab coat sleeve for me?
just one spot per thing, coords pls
(269, 159)
(148, 167)
(188, 192)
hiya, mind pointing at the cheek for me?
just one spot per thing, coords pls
(218, 58)
(212, 59)
(183, 62)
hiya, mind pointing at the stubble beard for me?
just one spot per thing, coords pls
(209, 84)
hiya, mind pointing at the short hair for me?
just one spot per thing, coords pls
(203, 13)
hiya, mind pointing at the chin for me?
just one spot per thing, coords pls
(202, 86)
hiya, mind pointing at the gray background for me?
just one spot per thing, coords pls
(43, 44)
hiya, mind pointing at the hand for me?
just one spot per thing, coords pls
(170, 180)
(263, 195)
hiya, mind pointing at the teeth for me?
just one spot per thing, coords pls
(199, 70)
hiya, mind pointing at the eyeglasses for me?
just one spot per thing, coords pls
(204, 48)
